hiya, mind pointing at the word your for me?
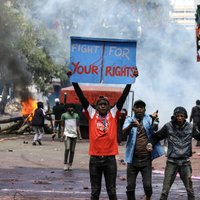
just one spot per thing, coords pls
(109, 70)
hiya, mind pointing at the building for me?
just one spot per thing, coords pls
(183, 12)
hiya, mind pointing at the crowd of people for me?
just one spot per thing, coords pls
(107, 125)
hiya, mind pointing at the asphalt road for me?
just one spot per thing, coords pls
(36, 172)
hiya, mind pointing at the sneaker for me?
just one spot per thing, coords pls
(34, 143)
(39, 142)
(65, 167)
(70, 167)
(53, 136)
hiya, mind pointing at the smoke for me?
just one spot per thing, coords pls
(13, 69)
(168, 72)
(166, 60)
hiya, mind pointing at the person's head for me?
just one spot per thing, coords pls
(102, 105)
(71, 108)
(40, 104)
(57, 101)
(123, 113)
(139, 109)
(180, 115)
(197, 102)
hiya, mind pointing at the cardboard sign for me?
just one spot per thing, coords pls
(102, 61)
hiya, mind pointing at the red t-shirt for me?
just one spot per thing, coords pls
(103, 132)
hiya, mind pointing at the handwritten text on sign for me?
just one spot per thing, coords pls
(121, 52)
(107, 62)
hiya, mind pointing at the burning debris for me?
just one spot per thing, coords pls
(21, 122)
(13, 107)
(28, 108)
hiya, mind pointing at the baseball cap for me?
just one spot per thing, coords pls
(140, 103)
(57, 100)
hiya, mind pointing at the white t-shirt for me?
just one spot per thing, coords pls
(70, 124)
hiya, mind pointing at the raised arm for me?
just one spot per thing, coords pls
(122, 99)
(80, 95)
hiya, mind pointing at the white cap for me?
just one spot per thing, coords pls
(57, 100)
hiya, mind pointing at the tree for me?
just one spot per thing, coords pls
(24, 56)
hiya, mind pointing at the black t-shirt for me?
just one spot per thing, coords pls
(58, 110)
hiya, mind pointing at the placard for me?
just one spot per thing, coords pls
(102, 60)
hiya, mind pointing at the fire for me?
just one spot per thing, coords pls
(28, 107)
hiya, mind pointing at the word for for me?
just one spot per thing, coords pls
(109, 70)
(119, 52)
(92, 49)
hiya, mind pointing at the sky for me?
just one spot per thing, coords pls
(166, 52)
(183, 2)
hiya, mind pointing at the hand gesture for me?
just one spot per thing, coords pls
(135, 123)
(69, 73)
(154, 115)
(149, 147)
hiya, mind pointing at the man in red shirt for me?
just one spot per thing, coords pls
(103, 141)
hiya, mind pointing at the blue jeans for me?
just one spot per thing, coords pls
(144, 166)
(185, 172)
(98, 166)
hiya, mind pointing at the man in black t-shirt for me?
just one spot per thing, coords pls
(58, 110)
(195, 117)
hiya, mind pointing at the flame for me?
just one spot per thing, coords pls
(28, 106)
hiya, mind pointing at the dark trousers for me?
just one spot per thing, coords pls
(70, 144)
(57, 127)
(98, 166)
(185, 172)
(144, 166)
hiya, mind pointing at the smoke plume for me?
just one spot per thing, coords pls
(166, 60)
(168, 72)
(13, 69)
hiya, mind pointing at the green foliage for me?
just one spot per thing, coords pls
(33, 41)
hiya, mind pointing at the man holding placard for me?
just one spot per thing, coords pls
(103, 141)
(102, 61)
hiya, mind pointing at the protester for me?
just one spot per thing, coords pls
(38, 123)
(195, 117)
(121, 120)
(103, 141)
(179, 134)
(139, 129)
(58, 110)
(70, 123)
